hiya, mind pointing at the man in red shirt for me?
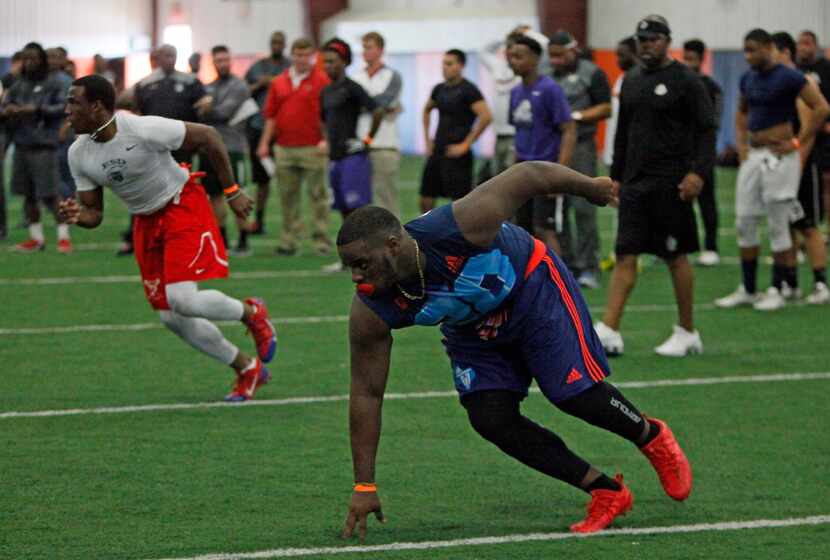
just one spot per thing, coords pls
(292, 116)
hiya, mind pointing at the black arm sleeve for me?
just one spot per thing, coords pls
(598, 89)
(363, 98)
(703, 121)
(620, 138)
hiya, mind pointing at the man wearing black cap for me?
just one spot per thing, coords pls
(663, 148)
(589, 95)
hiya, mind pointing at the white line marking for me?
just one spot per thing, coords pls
(765, 378)
(159, 325)
(134, 278)
(22, 331)
(510, 539)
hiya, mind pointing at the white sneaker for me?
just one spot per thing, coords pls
(708, 258)
(737, 298)
(772, 300)
(588, 280)
(611, 340)
(820, 295)
(681, 343)
(333, 267)
(789, 293)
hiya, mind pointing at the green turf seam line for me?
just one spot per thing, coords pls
(690, 382)
(512, 539)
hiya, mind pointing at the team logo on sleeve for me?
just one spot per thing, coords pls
(464, 377)
(115, 170)
(661, 90)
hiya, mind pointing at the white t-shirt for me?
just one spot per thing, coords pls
(382, 83)
(136, 163)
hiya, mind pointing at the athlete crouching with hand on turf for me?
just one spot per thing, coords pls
(176, 238)
(510, 313)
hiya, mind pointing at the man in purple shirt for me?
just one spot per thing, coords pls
(544, 132)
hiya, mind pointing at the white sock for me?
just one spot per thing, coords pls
(63, 232)
(202, 335)
(187, 299)
(36, 231)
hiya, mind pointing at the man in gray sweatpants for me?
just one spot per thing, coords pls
(589, 95)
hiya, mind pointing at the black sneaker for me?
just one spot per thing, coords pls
(125, 250)
(285, 251)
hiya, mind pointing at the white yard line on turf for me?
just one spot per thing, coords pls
(251, 275)
(135, 278)
(260, 242)
(692, 381)
(511, 539)
(23, 331)
(159, 325)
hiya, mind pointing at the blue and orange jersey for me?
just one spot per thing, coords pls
(466, 285)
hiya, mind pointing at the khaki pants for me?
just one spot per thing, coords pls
(296, 165)
(504, 155)
(386, 164)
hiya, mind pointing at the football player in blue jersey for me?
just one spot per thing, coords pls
(511, 313)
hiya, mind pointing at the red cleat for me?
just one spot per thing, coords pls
(30, 246)
(248, 381)
(604, 507)
(263, 331)
(670, 462)
(64, 246)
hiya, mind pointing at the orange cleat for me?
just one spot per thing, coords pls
(263, 331)
(604, 507)
(670, 462)
(248, 381)
(30, 246)
(64, 246)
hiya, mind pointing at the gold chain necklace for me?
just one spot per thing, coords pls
(406, 294)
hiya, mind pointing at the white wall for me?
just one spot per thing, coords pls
(83, 27)
(245, 26)
(412, 26)
(720, 23)
(433, 9)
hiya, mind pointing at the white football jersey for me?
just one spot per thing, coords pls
(136, 163)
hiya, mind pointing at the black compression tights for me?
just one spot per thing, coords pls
(496, 417)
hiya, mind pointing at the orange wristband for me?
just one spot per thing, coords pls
(368, 140)
(232, 189)
(796, 143)
(365, 487)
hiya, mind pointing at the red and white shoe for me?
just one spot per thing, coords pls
(263, 331)
(29, 246)
(64, 246)
(248, 381)
(670, 462)
(604, 507)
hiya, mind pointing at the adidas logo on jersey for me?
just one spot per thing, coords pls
(573, 377)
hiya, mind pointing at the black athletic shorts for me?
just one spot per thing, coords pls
(653, 219)
(258, 173)
(809, 194)
(446, 177)
(549, 213)
(822, 153)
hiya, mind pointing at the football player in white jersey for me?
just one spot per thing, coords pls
(176, 238)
